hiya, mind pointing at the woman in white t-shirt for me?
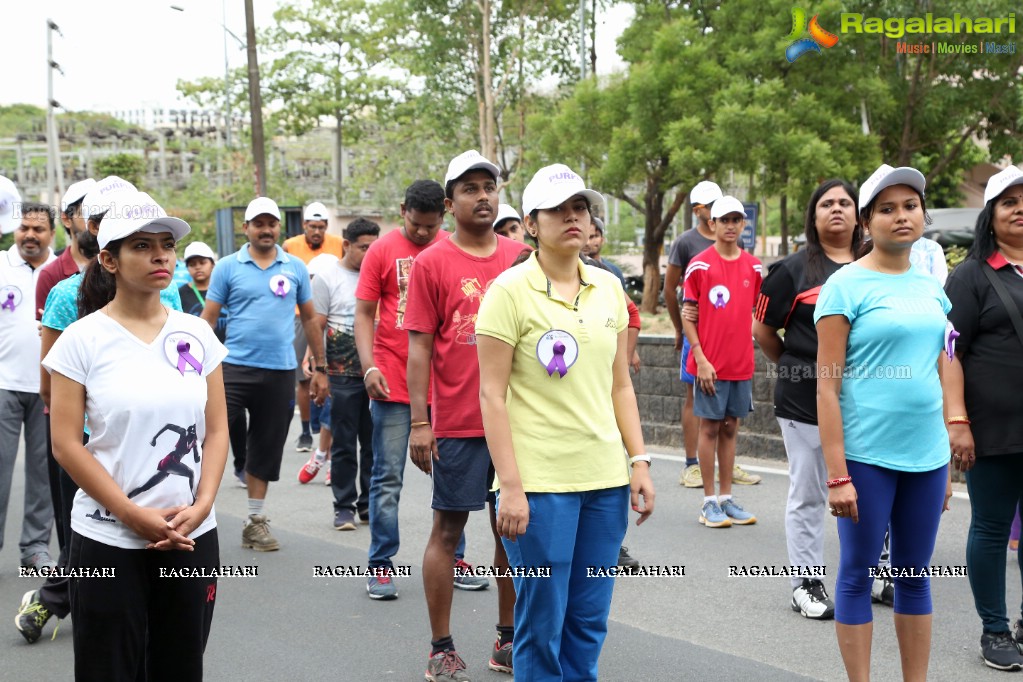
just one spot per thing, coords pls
(149, 381)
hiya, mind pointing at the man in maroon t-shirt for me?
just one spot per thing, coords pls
(447, 285)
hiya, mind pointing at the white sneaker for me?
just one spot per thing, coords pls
(811, 600)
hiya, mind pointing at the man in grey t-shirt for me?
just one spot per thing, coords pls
(688, 245)
(350, 421)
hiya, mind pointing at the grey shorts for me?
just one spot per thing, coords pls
(463, 475)
(731, 399)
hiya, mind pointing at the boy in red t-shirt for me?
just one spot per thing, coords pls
(446, 286)
(723, 282)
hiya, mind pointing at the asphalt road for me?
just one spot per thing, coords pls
(288, 624)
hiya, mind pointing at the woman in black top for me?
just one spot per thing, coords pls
(991, 352)
(787, 300)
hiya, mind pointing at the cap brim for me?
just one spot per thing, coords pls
(592, 196)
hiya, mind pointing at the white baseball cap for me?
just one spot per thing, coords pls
(76, 192)
(10, 206)
(726, 205)
(1001, 181)
(553, 185)
(105, 195)
(199, 250)
(705, 193)
(886, 176)
(138, 213)
(261, 205)
(506, 212)
(315, 211)
(467, 161)
(320, 263)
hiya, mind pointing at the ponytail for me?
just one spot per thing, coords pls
(98, 285)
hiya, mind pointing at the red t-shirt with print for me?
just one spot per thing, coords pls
(383, 277)
(724, 291)
(445, 292)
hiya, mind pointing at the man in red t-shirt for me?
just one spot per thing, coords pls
(383, 353)
(723, 282)
(447, 286)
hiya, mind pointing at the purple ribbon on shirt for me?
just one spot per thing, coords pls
(720, 303)
(279, 291)
(184, 357)
(950, 344)
(557, 363)
(9, 303)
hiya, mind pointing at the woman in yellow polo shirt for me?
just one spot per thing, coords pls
(557, 403)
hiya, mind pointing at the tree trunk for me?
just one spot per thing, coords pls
(651, 271)
(488, 142)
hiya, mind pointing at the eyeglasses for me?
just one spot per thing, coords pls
(731, 220)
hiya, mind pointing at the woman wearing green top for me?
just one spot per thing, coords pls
(557, 403)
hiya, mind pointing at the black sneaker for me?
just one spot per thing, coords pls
(304, 443)
(1017, 634)
(32, 616)
(883, 591)
(999, 651)
(625, 560)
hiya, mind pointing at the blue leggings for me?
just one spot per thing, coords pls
(912, 503)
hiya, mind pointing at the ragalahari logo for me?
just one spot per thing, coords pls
(818, 36)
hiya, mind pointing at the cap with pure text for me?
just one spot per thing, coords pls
(553, 185)
(138, 212)
(104, 196)
(76, 192)
(726, 205)
(261, 205)
(315, 211)
(885, 176)
(10, 201)
(705, 193)
(467, 161)
(506, 212)
(1001, 181)
(199, 250)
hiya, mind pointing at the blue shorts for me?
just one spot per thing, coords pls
(463, 475)
(319, 415)
(731, 399)
(682, 373)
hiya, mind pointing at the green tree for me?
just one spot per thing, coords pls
(128, 166)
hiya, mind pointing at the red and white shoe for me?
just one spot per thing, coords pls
(327, 481)
(309, 470)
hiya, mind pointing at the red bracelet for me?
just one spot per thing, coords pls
(841, 480)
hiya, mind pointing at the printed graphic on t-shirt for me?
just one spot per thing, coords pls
(465, 325)
(402, 268)
(171, 463)
(342, 355)
(10, 298)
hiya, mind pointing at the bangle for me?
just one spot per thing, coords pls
(414, 424)
(841, 480)
(960, 419)
(639, 458)
(371, 369)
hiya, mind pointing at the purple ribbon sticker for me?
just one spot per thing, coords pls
(184, 357)
(9, 303)
(950, 341)
(557, 363)
(720, 302)
(279, 291)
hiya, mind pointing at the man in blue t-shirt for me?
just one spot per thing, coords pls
(261, 285)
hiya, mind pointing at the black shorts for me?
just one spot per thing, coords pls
(267, 395)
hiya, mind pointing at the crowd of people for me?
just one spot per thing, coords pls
(467, 352)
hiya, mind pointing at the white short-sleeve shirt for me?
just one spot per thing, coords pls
(19, 333)
(146, 409)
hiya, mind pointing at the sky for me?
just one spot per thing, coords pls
(132, 54)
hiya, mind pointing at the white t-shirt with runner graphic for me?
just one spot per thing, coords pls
(146, 408)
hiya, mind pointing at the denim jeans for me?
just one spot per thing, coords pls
(561, 621)
(995, 484)
(392, 425)
(351, 452)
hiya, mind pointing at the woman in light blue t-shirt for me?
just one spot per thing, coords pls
(883, 357)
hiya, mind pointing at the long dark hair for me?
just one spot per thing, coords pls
(98, 286)
(984, 243)
(814, 251)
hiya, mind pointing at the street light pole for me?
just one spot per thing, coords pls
(255, 102)
(54, 170)
(227, 80)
